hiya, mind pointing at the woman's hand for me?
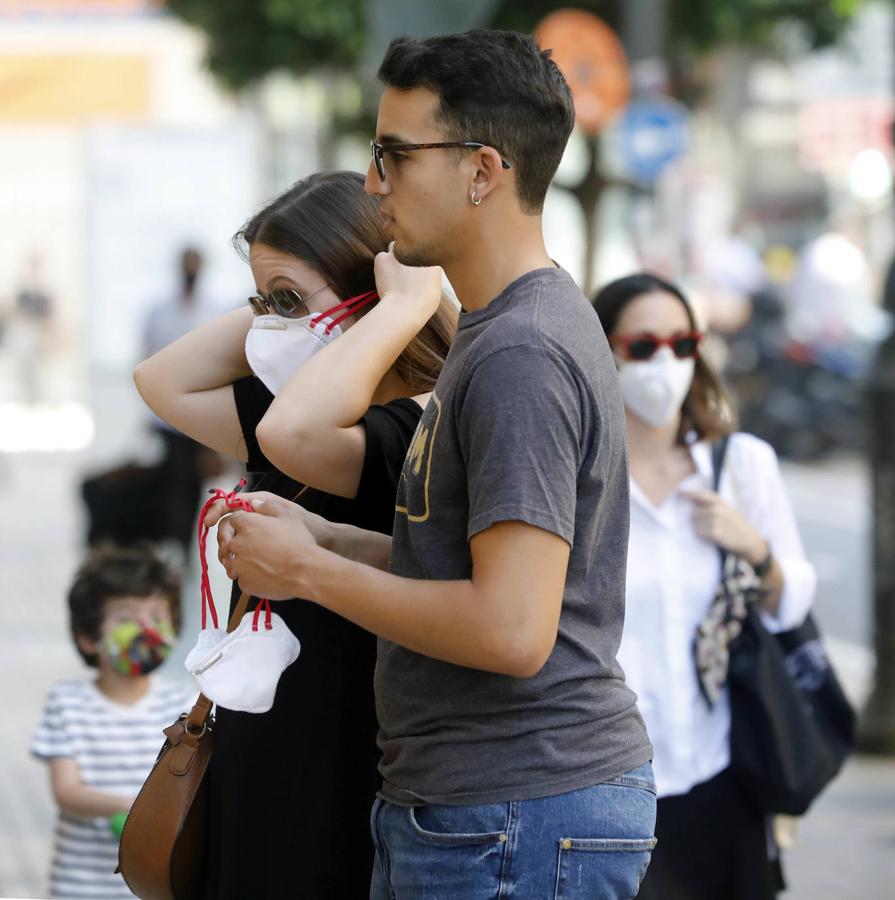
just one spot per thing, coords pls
(718, 522)
(414, 291)
(311, 430)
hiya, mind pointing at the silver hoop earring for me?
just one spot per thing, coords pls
(475, 198)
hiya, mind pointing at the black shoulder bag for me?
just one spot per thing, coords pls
(791, 725)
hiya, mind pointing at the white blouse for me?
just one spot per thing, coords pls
(672, 577)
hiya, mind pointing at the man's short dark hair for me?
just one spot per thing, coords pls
(111, 573)
(497, 87)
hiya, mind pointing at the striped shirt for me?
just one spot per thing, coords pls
(115, 747)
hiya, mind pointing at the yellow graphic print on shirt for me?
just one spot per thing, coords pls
(418, 449)
(413, 488)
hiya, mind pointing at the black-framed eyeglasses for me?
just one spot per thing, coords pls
(378, 150)
(284, 302)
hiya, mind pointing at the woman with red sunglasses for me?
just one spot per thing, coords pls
(712, 840)
(317, 385)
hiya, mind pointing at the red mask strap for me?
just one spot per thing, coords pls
(350, 307)
(265, 606)
(233, 502)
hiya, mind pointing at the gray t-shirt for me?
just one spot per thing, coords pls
(526, 423)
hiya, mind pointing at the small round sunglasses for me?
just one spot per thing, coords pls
(641, 347)
(283, 302)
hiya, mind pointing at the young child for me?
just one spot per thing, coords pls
(101, 736)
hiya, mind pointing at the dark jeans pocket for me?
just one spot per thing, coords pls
(604, 868)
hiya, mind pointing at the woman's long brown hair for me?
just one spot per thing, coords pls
(329, 222)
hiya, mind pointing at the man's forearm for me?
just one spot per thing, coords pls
(502, 617)
(441, 619)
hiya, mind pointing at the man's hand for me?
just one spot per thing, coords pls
(263, 549)
(414, 290)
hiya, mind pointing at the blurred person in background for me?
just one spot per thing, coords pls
(291, 789)
(713, 842)
(186, 463)
(831, 291)
(831, 310)
(100, 737)
(174, 317)
(30, 330)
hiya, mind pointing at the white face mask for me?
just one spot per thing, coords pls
(277, 347)
(241, 670)
(654, 389)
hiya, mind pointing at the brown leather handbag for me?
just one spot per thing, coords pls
(162, 849)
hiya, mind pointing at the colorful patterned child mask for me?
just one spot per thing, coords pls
(134, 648)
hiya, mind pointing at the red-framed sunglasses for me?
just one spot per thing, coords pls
(640, 347)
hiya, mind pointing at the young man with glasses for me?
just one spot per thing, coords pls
(514, 759)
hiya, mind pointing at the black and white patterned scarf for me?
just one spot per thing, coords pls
(739, 585)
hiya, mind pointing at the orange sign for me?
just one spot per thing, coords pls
(590, 56)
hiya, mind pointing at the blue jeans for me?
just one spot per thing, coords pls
(594, 843)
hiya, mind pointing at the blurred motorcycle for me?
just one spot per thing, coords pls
(804, 398)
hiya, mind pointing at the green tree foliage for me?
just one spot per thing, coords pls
(250, 38)
(700, 25)
(703, 24)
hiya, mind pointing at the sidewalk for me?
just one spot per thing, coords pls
(846, 843)
(846, 848)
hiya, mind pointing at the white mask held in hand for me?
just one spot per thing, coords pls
(239, 670)
(654, 389)
(277, 346)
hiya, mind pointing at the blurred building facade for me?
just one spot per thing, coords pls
(116, 149)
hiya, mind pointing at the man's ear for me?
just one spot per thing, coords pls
(488, 172)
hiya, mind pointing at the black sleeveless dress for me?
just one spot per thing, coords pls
(291, 789)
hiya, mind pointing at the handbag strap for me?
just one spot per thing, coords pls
(239, 611)
(719, 452)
